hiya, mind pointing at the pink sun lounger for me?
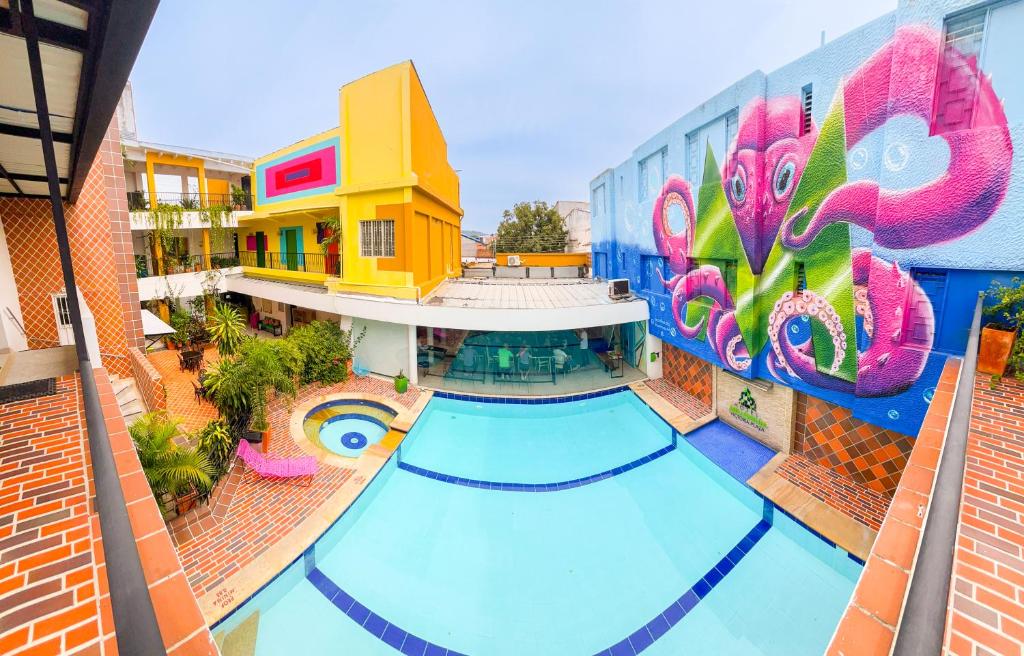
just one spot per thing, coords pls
(277, 467)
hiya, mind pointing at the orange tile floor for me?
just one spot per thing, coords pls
(181, 398)
(258, 513)
(691, 405)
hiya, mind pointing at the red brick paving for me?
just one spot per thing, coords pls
(852, 499)
(48, 581)
(987, 598)
(691, 405)
(54, 597)
(257, 512)
(181, 397)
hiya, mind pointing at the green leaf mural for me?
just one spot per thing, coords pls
(718, 239)
(827, 260)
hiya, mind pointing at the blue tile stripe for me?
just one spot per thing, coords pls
(474, 398)
(645, 636)
(636, 642)
(535, 487)
(374, 624)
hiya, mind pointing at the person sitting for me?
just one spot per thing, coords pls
(468, 358)
(505, 361)
(523, 357)
(563, 361)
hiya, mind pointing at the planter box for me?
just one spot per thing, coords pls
(995, 350)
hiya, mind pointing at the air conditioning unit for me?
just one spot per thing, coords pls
(514, 260)
(618, 288)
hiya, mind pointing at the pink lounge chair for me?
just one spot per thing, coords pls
(277, 467)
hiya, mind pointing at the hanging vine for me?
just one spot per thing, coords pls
(165, 219)
(216, 217)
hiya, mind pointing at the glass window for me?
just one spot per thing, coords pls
(957, 83)
(651, 175)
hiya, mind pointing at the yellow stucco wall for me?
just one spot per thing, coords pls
(394, 165)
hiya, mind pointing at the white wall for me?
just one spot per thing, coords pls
(10, 335)
(184, 285)
(385, 347)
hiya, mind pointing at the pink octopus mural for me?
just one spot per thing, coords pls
(763, 167)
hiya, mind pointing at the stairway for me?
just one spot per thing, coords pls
(128, 398)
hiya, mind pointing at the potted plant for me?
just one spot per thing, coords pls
(1001, 342)
(179, 321)
(182, 473)
(401, 382)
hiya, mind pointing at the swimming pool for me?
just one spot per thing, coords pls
(347, 426)
(558, 528)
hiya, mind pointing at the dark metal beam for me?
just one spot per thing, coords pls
(49, 32)
(32, 133)
(922, 626)
(28, 177)
(10, 178)
(135, 623)
(117, 29)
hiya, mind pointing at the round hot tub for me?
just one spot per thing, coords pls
(347, 427)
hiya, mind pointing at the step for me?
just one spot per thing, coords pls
(241, 641)
(120, 384)
(132, 418)
(135, 406)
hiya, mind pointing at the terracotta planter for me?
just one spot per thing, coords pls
(171, 346)
(995, 350)
(185, 503)
(266, 441)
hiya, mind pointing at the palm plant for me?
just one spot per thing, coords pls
(239, 386)
(169, 468)
(226, 329)
(332, 233)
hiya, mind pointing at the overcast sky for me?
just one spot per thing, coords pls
(535, 98)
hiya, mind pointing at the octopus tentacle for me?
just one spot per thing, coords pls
(676, 246)
(945, 208)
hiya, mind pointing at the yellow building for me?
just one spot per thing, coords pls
(384, 174)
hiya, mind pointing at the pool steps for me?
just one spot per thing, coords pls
(240, 641)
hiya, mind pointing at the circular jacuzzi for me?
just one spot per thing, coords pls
(346, 427)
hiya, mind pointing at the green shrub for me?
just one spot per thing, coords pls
(226, 329)
(239, 386)
(325, 350)
(169, 468)
(215, 440)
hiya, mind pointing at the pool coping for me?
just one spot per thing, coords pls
(298, 418)
(817, 516)
(241, 586)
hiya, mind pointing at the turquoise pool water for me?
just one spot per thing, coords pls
(349, 436)
(462, 545)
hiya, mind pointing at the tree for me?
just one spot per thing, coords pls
(531, 228)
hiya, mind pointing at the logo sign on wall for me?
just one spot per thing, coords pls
(745, 409)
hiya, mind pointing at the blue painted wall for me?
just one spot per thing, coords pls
(841, 252)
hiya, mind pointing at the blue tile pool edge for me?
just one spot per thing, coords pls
(535, 487)
(769, 505)
(526, 400)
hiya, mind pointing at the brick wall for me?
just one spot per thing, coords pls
(687, 372)
(830, 436)
(148, 380)
(101, 251)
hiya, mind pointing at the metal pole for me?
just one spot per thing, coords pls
(922, 626)
(135, 622)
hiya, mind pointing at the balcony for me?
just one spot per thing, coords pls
(311, 267)
(190, 263)
(235, 201)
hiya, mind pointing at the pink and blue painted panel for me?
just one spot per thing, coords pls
(309, 171)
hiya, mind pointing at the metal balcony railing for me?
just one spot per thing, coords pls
(238, 200)
(145, 267)
(329, 264)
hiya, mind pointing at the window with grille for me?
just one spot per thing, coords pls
(692, 158)
(957, 82)
(651, 175)
(377, 238)
(732, 126)
(806, 107)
